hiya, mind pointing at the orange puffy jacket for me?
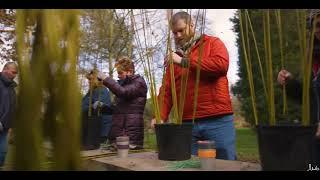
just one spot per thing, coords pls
(213, 91)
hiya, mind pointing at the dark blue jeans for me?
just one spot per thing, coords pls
(106, 122)
(219, 129)
(3, 146)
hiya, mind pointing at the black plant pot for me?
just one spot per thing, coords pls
(287, 147)
(174, 141)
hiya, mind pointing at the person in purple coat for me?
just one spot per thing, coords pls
(128, 107)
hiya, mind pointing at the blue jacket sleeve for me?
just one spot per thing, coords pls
(85, 103)
(105, 97)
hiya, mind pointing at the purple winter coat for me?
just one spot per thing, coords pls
(128, 108)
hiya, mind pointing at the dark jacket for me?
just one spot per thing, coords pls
(105, 115)
(104, 97)
(294, 91)
(128, 108)
(7, 101)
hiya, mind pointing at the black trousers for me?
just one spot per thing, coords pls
(91, 127)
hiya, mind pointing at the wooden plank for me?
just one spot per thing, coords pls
(148, 161)
(97, 152)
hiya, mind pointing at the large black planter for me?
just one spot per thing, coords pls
(287, 147)
(174, 141)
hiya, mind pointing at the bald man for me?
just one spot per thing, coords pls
(7, 105)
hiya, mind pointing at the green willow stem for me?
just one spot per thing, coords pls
(249, 71)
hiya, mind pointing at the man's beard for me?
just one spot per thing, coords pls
(182, 42)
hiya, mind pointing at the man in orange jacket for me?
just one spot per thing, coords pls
(214, 115)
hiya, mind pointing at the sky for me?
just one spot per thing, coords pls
(222, 28)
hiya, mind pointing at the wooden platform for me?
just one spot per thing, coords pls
(96, 153)
(148, 161)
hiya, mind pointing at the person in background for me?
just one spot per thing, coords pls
(7, 105)
(127, 111)
(101, 121)
(294, 85)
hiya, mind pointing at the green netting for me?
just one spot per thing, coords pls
(194, 162)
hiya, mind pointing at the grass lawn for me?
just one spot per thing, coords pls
(246, 144)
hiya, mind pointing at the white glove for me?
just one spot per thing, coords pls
(1, 127)
(101, 76)
(96, 104)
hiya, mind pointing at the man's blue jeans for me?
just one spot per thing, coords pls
(219, 129)
(3, 146)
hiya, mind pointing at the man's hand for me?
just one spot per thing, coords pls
(153, 122)
(96, 104)
(175, 58)
(284, 76)
(101, 76)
